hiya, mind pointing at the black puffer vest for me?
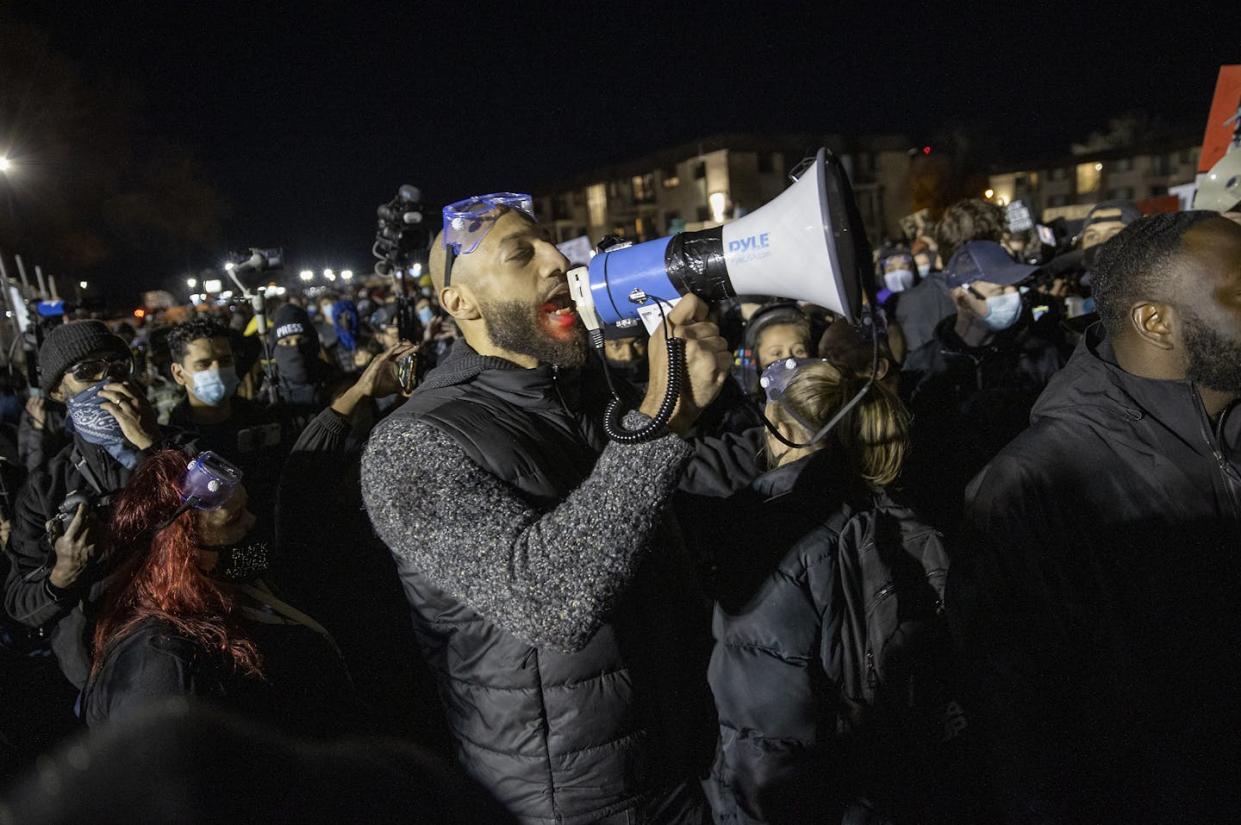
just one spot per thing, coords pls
(559, 738)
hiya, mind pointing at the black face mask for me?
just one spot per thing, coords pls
(244, 560)
(292, 365)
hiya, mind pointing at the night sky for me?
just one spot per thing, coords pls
(292, 121)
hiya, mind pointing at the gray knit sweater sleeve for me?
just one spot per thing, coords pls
(549, 578)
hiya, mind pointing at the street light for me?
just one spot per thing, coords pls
(306, 275)
(346, 274)
(82, 284)
(192, 283)
(5, 163)
(329, 274)
(989, 194)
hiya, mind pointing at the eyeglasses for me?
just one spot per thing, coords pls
(98, 369)
(468, 221)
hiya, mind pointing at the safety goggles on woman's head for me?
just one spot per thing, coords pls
(468, 221)
(209, 481)
(97, 369)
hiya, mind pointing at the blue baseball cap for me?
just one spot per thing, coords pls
(985, 261)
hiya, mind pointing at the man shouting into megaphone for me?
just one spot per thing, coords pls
(551, 600)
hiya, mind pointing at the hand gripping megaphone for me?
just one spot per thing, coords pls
(807, 245)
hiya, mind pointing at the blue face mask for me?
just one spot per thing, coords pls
(426, 315)
(98, 426)
(1002, 311)
(215, 386)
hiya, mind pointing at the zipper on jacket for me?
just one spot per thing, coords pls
(872, 675)
(1213, 437)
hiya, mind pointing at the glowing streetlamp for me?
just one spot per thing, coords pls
(192, 283)
(346, 274)
(989, 194)
(329, 274)
(306, 275)
(6, 165)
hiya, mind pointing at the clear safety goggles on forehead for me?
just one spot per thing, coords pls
(468, 221)
(209, 481)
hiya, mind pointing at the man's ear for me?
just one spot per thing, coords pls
(1153, 323)
(883, 368)
(178, 374)
(459, 303)
(958, 298)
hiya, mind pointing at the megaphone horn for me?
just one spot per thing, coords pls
(807, 245)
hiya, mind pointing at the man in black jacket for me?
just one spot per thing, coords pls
(1097, 591)
(245, 433)
(555, 610)
(975, 382)
(52, 580)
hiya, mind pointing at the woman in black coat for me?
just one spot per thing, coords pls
(790, 749)
(187, 612)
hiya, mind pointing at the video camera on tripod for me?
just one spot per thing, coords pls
(402, 245)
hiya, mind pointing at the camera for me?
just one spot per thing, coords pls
(404, 235)
(59, 523)
(248, 268)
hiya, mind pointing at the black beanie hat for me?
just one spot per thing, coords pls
(291, 319)
(69, 343)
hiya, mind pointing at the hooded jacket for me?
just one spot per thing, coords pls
(557, 613)
(1097, 600)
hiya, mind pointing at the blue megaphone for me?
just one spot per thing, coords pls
(806, 245)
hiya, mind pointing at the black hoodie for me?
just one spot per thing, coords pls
(1097, 596)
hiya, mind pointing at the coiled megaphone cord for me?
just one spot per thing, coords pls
(613, 424)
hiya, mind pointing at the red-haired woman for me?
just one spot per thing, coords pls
(187, 612)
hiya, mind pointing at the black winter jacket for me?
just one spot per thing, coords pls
(967, 403)
(304, 690)
(1097, 601)
(784, 754)
(571, 707)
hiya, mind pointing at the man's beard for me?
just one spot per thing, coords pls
(518, 327)
(1214, 359)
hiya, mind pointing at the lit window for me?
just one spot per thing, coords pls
(597, 203)
(1088, 177)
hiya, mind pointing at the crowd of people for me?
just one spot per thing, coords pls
(971, 561)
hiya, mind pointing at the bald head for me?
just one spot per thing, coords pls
(509, 296)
